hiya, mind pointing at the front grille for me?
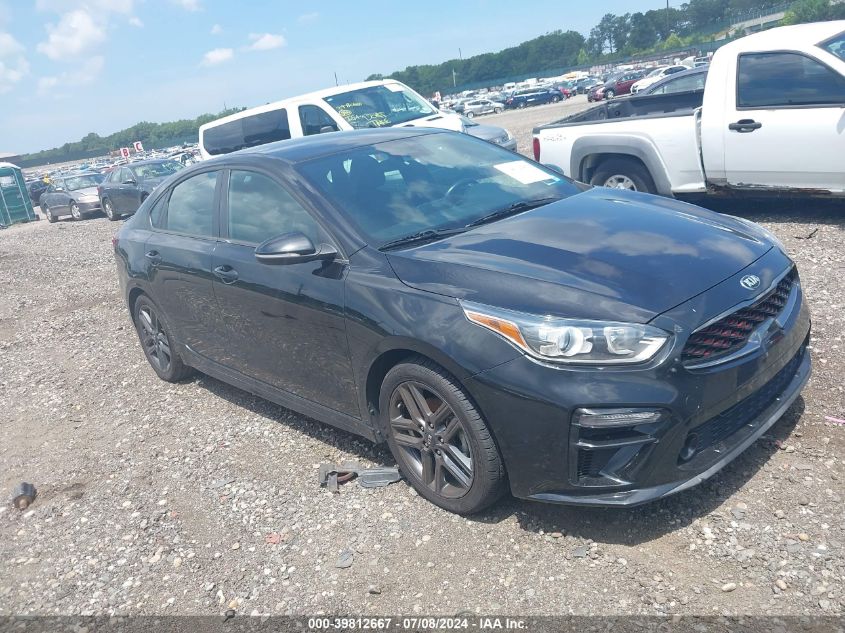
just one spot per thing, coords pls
(745, 411)
(730, 333)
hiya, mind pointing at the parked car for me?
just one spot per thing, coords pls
(35, 188)
(126, 187)
(690, 80)
(532, 96)
(780, 88)
(585, 84)
(370, 104)
(479, 106)
(491, 133)
(73, 195)
(621, 85)
(496, 323)
(656, 75)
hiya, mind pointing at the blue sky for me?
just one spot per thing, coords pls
(69, 67)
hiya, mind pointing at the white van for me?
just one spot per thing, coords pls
(362, 105)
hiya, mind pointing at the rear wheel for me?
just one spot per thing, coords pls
(75, 212)
(555, 99)
(439, 439)
(623, 173)
(108, 208)
(609, 94)
(521, 104)
(156, 341)
(497, 110)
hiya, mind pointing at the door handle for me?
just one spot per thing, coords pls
(745, 125)
(153, 256)
(226, 274)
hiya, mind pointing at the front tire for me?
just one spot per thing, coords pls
(48, 214)
(497, 110)
(108, 209)
(75, 212)
(623, 173)
(609, 94)
(157, 343)
(440, 441)
(470, 115)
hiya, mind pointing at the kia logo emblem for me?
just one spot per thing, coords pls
(750, 282)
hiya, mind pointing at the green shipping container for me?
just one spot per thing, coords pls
(15, 205)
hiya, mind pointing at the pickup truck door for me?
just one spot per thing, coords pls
(785, 128)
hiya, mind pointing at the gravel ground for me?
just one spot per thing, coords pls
(196, 498)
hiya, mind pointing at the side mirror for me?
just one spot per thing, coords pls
(293, 248)
(327, 128)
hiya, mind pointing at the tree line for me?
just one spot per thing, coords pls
(152, 135)
(614, 37)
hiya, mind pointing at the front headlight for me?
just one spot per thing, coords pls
(573, 341)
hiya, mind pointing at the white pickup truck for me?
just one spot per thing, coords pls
(771, 118)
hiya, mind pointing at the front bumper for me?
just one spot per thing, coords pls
(709, 415)
(90, 207)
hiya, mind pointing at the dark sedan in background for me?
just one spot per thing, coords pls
(74, 195)
(686, 81)
(127, 186)
(532, 96)
(497, 324)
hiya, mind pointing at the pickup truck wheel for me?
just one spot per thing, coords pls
(622, 173)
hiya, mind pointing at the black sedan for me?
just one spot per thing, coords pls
(499, 326)
(127, 186)
(74, 195)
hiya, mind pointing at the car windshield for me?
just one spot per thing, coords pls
(429, 182)
(836, 46)
(379, 106)
(83, 182)
(157, 170)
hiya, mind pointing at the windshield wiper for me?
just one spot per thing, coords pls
(429, 235)
(516, 207)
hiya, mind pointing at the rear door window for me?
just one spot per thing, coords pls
(771, 80)
(248, 131)
(191, 208)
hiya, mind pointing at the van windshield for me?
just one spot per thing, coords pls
(379, 106)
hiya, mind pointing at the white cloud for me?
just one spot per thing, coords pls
(216, 29)
(95, 6)
(76, 33)
(189, 5)
(85, 73)
(136, 22)
(217, 56)
(13, 64)
(305, 18)
(266, 41)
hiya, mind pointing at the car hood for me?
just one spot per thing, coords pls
(601, 254)
(81, 193)
(487, 132)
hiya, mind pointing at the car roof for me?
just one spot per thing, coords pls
(700, 70)
(308, 147)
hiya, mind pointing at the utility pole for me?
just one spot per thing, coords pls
(335, 79)
(454, 81)
(460, 55)
(667, 19)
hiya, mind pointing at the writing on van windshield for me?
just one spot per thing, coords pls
(379, 106)
(359, 116)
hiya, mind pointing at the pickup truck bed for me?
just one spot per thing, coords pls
(679, 104)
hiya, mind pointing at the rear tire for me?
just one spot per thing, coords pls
(158, 345)
(623, 173)
(108, 209)
(609, 94)
(441, 443)
(497, 110)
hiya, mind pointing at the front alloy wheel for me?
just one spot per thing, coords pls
(441, 442)
(432, 438)
(75, 212)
